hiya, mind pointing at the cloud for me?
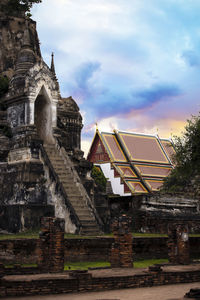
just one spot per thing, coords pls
(122, 101)
(192, 58)
(85, 73)
(132, 64)
(157, 93)
(83, 79)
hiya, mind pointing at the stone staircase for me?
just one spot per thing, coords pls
(76, 193)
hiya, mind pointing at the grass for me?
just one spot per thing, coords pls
(101, 264)
(23, 266)
(194, 234)
(20, 235)
(35, 235)
(138, 234)
(86, 265)
(149, 262)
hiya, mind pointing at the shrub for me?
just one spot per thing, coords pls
(187, 157)
(15, 7)
(99, 178)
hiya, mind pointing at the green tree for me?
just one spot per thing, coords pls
(187, 157)
(14, 7)
(99, 178)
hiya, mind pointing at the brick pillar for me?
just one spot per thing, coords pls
(178, 243)
(51, 245)
(121, 252)
(115, 249)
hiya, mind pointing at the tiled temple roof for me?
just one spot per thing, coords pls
(141, 161)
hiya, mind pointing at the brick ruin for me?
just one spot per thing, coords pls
(52, 250)
(51, 245)
(121, 255)
(51, 260)
(178, 243)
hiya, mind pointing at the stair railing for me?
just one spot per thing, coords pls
(79, 184)
(55, 177)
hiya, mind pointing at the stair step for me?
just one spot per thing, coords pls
(71, 190)
(66, 178)
(90, 233)
(56, 158)
(50, 148)
(77, 202)
(69, 185)
(83, 211)
(51, 151)
(73, 196)
(78, 209)
(57, 162)
(82, 216)
(60, 166)
(89, 221)
(90, 224)
(64, 172)
(94, 228)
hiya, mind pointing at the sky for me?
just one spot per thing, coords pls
(131, 65)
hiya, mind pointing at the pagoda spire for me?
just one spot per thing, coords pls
(54, 71)
(26, 39)
(52, 64)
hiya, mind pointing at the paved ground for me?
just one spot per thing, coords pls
(106, 272)
(167, 292)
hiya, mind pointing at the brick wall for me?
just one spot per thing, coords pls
(85, 282)
(158, 221)
(24, 251)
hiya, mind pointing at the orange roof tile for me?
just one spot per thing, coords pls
(143, 148)
(161, 171)
(154, 185)
(136, 187)
(169, 148)
(113, 147)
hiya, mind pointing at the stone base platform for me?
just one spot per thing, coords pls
(97, 280)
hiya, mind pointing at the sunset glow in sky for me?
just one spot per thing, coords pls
(131, 65)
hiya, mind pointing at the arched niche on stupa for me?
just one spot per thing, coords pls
(43, 116)
(43, 97)
(35, 102)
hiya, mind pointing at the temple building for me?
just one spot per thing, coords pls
(135, 166)
(133, 163)
(42, 169)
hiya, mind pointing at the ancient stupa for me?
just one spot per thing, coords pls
(42, 169)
